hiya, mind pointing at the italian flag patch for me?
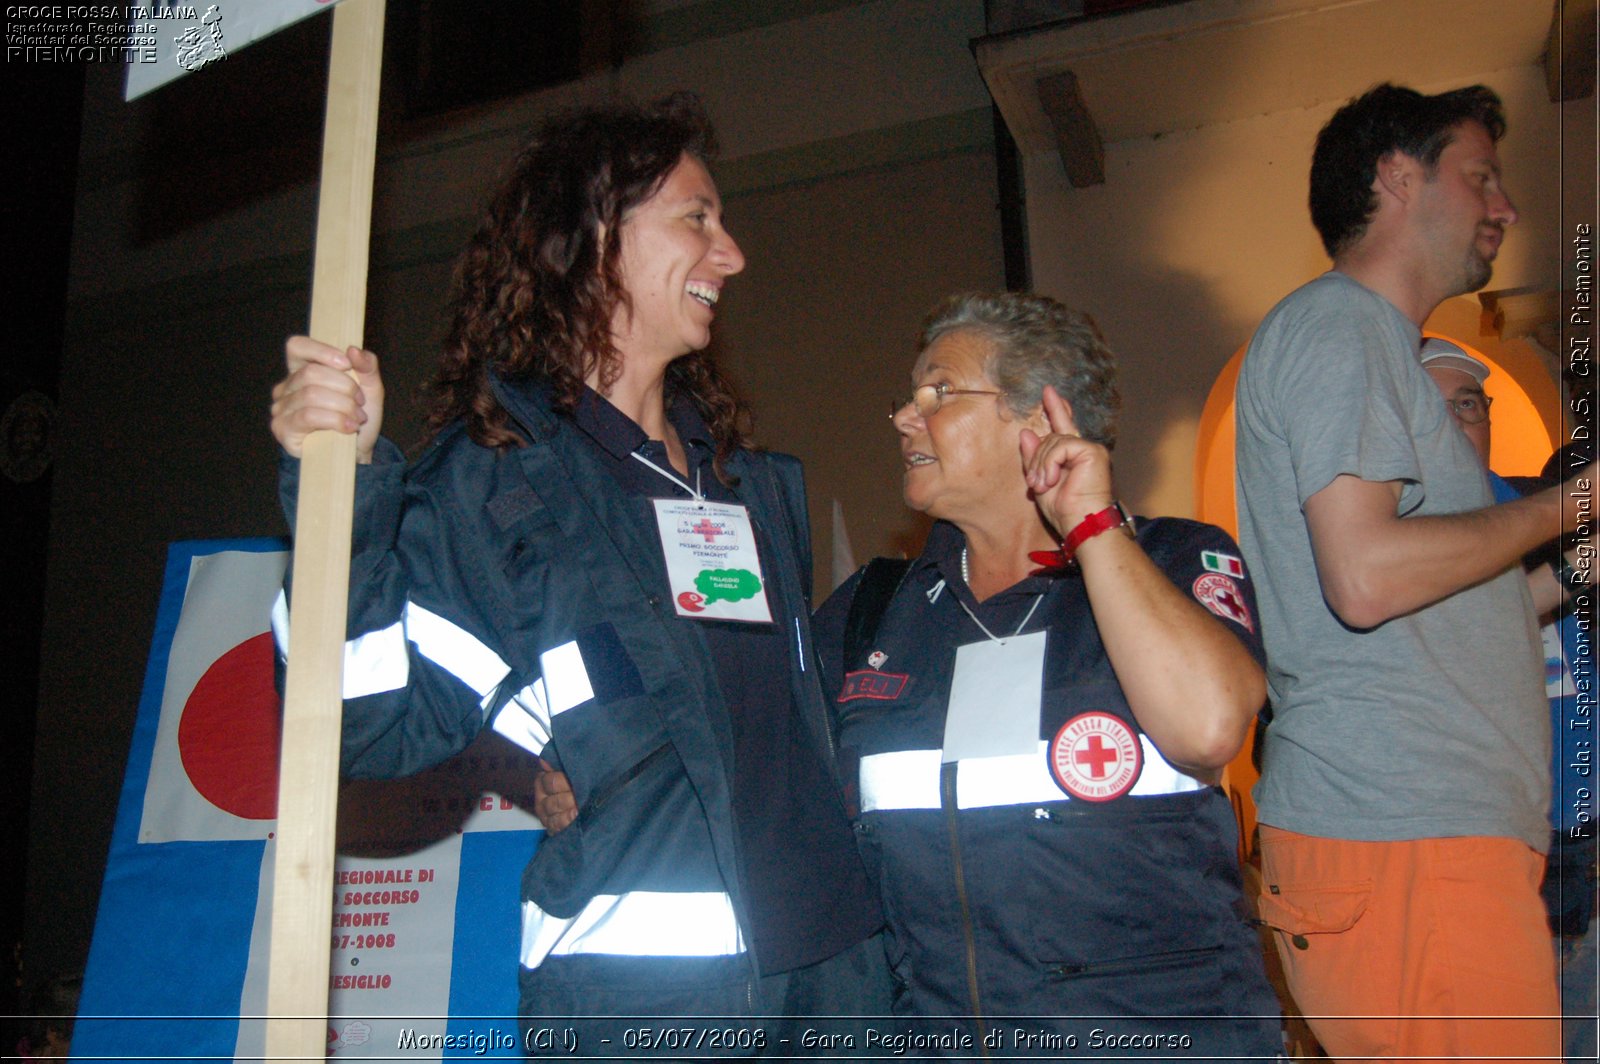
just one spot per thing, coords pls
(1226, 564)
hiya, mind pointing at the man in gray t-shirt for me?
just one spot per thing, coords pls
(1405, 775)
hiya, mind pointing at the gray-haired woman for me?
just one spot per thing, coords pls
(1037, 711)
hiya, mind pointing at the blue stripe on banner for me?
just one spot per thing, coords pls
(483, 997)
(175, 976)
(150, 958)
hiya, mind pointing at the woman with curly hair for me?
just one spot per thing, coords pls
(588, 558)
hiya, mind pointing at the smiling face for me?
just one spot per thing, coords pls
(1463, 211)
(963, 462)
(675, 257)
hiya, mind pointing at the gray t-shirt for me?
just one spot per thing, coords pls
(1430, 725)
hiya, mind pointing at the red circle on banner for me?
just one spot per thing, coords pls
(228, 734)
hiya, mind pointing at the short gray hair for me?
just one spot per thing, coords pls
(1038, 341)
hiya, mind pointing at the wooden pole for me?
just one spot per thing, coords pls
(308, 774)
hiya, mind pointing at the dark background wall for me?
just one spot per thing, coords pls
(42, 115)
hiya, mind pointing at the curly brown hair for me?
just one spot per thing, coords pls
(536, 288)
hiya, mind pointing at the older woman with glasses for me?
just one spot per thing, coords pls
(1037, 712)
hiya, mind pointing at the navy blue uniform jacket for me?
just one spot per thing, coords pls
(475, 573)
(1006, 896)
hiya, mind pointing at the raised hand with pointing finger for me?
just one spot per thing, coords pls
(1070, 477)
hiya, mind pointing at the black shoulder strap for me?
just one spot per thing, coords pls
(878, 584)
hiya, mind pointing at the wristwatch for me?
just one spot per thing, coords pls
(1573, 580)
(1113, 516)
(1061, 560)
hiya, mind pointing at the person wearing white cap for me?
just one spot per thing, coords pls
(1460, 378)
(1569, 878)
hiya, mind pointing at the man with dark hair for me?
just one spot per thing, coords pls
(1386, 119)
(1406, 772)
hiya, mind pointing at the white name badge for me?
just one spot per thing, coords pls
(713, 567)
(994, 698)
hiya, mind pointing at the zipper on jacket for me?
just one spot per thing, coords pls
(826, 720)
(1059, 814)
(1131, 964)
(947, 799)
(592, 807)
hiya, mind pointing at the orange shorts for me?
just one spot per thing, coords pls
(1426, 948)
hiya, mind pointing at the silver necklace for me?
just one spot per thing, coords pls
(966, 579)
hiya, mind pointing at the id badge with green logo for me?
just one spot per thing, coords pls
(712, 563)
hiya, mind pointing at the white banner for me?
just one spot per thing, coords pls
(393, 925)
(171, 40)
(214, 774)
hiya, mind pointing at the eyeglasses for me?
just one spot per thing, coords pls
(926, 399)
(1471, 409)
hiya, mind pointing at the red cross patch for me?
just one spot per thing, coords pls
(1222, 596)
(1096, 757)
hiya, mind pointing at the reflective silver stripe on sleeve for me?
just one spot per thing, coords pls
(280, 623)
(566, 681)
(909, 779)
(454, 649)
(377, 662)
(373, 663)
(525, 720)
(641, 923)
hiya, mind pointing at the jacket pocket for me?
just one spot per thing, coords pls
(600, 743)
(1314, 908)
(1145, 878)
(1150, 962)
(1193, 981)
(870, 844)
(599, 853)
(597, 801)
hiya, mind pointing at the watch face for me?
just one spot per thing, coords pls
(26, 437)
(1571, 578)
